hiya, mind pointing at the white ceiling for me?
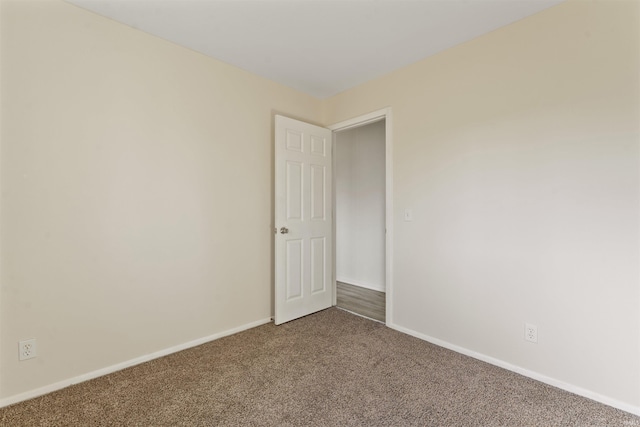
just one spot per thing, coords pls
(321, 47)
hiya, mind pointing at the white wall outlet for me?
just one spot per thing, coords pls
(27, 349)
(408, 215)
(530, 332)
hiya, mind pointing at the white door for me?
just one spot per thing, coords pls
(303, 211)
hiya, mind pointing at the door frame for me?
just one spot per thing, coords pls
(374, 116)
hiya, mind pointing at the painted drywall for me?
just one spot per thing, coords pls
(518, 153)
(360, 206)
(136, 193)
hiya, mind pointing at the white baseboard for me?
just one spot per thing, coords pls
(361, 285)
(117, 367)
(522, 371)
(493, 361)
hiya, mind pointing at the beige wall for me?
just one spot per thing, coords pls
(136, 192)
(518, 154)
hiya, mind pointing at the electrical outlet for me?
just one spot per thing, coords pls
(530, 332)
(27, 349)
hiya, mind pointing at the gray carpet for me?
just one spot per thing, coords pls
(328, 369)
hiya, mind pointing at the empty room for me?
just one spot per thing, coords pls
(186, 186)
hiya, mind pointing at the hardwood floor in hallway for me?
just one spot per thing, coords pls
(363, 301)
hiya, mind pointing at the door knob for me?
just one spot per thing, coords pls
(284, 230)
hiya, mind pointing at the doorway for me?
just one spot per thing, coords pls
(362, 241)
(304, 199)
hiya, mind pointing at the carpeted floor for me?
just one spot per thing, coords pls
(328, 369)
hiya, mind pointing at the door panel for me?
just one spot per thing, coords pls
(294, 269)
(318, 146)
(303, 220)
(318, 264)
(318, 192)
(294, 191)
